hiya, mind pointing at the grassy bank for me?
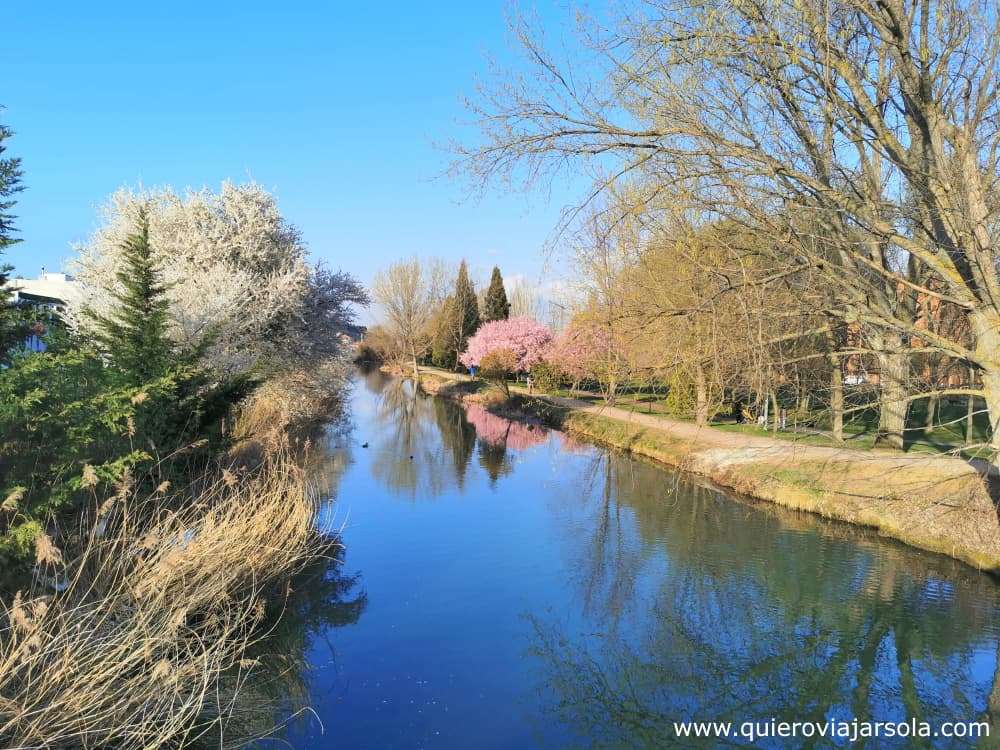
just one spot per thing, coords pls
(936, 504)
(136, 635)
(940, 504)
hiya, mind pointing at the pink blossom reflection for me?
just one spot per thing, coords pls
(571, 445)
(499, 431)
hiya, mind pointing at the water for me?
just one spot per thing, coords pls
(506, 586)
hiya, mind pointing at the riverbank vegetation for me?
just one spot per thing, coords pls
(774, 234)
(155, 497)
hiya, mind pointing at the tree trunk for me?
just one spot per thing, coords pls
(894, 365)
(701, 396)
(804, 402)
(932, 407)
(986, 326)
(836, 399)
(970, 410)
(775, 411)
(612, 391)
(836, 385)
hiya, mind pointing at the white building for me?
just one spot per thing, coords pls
(52, 290)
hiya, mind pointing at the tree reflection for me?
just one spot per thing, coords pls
(715, 610)
(425, 445)
(496, 434)
(409, 457)
(269, 689)
(458, 436)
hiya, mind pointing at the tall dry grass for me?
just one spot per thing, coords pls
(139, 640)
(292, 402)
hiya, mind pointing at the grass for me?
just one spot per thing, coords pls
(946, 436)
(139, 638)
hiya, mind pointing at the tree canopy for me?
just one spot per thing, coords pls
(526, 339)
(10, 185)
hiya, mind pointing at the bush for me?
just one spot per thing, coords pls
(497, 366)
(548, 376)
(71, 425)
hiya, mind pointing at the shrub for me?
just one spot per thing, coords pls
(497, 366)
(548, 376)
(70, 425)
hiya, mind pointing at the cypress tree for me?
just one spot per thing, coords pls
(466, 309)
(443, 352)
(134, 334)
(496, 306)
(10, 185)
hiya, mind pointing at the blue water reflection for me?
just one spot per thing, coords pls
(524, 590)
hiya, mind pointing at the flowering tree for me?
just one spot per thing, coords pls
(588, 349)
(240, 287)
(498, 365)
(527, 339)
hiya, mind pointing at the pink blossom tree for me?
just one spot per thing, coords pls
(589, 350)
(527, 339)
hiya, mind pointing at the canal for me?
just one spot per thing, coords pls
(505, 586)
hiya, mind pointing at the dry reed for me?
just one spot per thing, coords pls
(139, 640)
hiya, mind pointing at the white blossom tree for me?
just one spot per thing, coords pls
(242, 291)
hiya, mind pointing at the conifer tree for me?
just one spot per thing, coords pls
(134, 335)
(466, 309)
(496, 306)
(443, 353)
(10, 185)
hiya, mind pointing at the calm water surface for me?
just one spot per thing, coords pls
(504, 586)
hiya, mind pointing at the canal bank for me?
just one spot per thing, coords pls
(937, 503)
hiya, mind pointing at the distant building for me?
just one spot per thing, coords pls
(50, 291)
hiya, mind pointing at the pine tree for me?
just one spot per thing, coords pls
(496, 306)
(10, 185)
(135, 334)
(466, 309)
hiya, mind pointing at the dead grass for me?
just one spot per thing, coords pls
(290, 402)
(139, 640)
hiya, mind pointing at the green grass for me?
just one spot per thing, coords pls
(947, 436)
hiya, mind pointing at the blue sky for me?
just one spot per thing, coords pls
(335, 106)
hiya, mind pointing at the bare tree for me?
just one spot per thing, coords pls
(408, 293)
(876, 119)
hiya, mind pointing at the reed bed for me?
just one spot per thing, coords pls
(139, 640)
(292, 402)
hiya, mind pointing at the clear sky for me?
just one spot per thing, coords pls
(335, 106)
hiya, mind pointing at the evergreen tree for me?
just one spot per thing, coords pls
(466, 309)
(443, 353)
(134, 335)
(10, 185)
(496, 306)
